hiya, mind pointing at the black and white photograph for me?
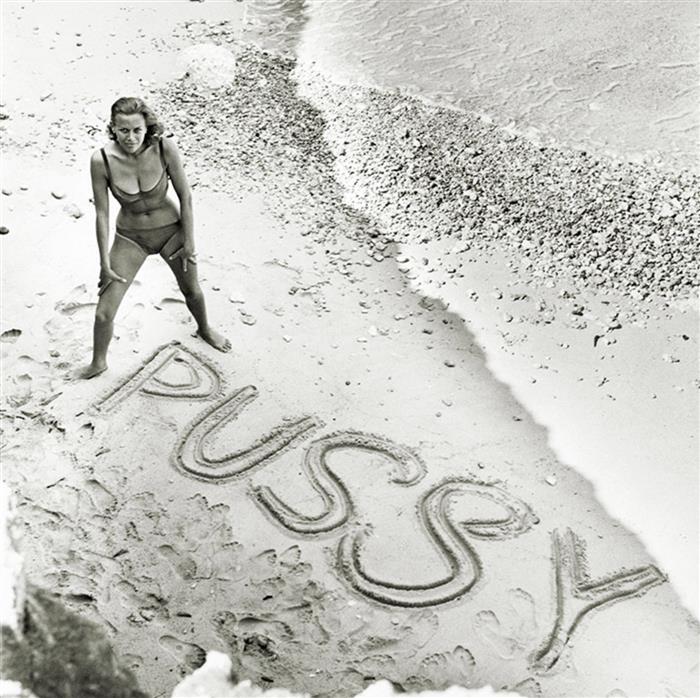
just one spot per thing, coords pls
(349, 348)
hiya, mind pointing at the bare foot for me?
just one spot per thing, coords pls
(91, 371)
(218, 341)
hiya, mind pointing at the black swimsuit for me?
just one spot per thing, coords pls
(149, 240)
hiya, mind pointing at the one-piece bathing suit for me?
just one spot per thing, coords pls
(149, 240)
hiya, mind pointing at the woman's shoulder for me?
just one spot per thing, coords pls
(97, 154)
(169, 145)
(170, 152)
(97, 157)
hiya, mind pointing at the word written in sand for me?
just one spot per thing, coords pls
(449, 537)
(175, 372)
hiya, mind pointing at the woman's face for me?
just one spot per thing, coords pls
(130, 130)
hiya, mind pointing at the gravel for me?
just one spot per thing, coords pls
(386, 167)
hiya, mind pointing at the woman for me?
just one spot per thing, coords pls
(135, 166)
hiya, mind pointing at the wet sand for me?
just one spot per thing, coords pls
(351, 494)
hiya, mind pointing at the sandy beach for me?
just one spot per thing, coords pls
(439, 453)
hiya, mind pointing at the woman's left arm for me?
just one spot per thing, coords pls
(184, 194)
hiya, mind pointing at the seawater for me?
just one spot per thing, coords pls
(617, 77)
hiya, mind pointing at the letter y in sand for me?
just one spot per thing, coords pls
(577, 594)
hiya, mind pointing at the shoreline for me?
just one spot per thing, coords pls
(534, 321)
(170, 547)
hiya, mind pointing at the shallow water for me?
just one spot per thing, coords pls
(615, 77)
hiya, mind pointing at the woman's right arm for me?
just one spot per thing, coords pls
(101, 199)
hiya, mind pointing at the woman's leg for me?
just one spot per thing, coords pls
(194, 297)
(126, 259)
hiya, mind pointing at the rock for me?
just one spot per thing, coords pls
(58, 195)
(73, 211)
(551, 480)
(7, 192)
(208, 65)
(449, 363)
(10, 336)
(4, 230)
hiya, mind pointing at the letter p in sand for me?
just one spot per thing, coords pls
(172, 372)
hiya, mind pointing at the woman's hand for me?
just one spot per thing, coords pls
(107, 275)
(187, 254)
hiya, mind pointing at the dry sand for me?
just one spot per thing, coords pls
(351, 494)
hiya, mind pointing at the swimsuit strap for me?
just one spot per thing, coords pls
(162, 155)
(104, 157)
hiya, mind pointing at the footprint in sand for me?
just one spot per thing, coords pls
(169, 302)
(489, 629)
(184, 565)
(72, 307)
(21, 391)
(141, 606)
(186, 653)
(134, 662)
(269, 627)
(515, 634)
(76, 300)
(100, 496)
(524, 616)
(443, 669)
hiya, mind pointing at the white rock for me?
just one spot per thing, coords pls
(73, 211)
(208, 65)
